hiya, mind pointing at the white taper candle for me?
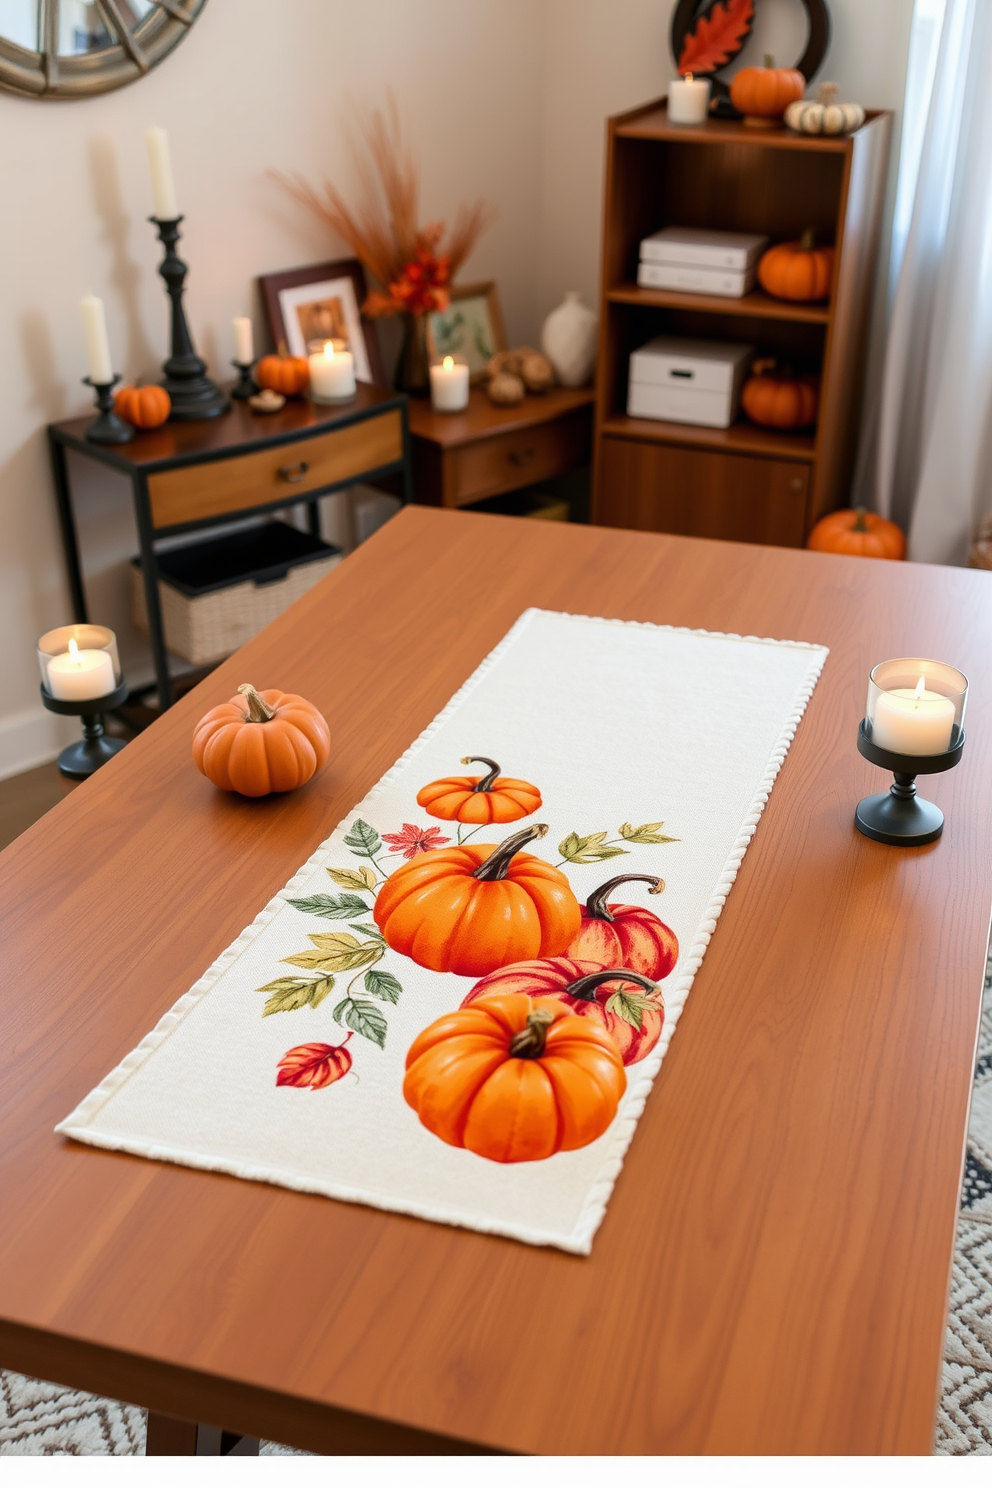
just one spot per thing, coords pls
(97, 345)
(163, 186)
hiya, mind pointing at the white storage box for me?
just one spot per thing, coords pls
(731, 282)
(698, 247)
(688, 382)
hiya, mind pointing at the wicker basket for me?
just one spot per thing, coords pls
(216, 595)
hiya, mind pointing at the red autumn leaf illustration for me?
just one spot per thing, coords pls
(314, 1065)
(412, 840)
(717, 36)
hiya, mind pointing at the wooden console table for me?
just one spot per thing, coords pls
(186, 476)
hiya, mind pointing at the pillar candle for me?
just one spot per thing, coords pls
(332, 373)
(449, 386)
(913, 720)
(163, 186)
(243, 346)
(97, 345)
(688, 100)
(78, 675)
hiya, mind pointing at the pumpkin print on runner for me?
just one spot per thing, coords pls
(479, 800)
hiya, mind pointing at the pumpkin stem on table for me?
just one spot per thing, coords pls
(861, 525)
(585, 987)
(488, 781)
(258, 709)
(596, 906)
(808, 240)
(529, 1042)
(497, 865)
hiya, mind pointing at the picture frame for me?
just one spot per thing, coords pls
(471, 327)
(323, 300)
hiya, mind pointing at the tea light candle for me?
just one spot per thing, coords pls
(97, 345)
(59, 642)
(449, 386)
(163, 186)
(688, 100)
(332, 373)
(244, 347)
(913, 720)
(79, 675)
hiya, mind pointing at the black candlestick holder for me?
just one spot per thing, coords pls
(246, 386)
(193, 394)
(107, 427)
(80, 761)
(900, 817)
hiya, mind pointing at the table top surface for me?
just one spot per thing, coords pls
(772, 1271)
(483, 420)
(186, 442)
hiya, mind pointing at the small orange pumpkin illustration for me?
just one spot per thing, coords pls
(480, 799)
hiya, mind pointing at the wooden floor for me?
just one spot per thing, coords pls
(23, 798)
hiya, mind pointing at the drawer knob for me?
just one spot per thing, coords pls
(522, 456)
(293, 473)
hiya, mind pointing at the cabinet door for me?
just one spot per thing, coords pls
(701, 493)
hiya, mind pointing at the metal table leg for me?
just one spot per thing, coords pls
(149, 574)
(67, 521)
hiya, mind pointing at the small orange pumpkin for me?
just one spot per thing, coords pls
(479, 799)
(144, 407)
(777, 399)
(283, 374)
(471, 909)
(261, 743)
(514, 1078)
(762, 94)
(797, 271)
(860, 533)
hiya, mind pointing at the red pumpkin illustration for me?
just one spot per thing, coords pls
(625, 934)
(480, 799)
(629, 1006)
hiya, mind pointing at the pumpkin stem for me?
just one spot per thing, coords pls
(596, 906)
(808, 240)
(497, 865)
(585, 987)
(769, 60)
(826, 93)
(529, 1042)
(258, 709)
(488, 781)
(861, 524)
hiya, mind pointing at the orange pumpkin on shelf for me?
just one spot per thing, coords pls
(797, 271)
(514, 1078)
(288, 375)
(859, 533)
(762, 94)
(144, 407)
(471, 909)
(261, 743)
(775, 398)
(628, 1005)
(479, 799)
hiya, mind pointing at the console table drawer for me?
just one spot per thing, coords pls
(221, 487)
(507, 461)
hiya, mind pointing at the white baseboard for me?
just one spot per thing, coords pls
(33, 738)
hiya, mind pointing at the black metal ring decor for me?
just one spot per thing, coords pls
(246, 386)
(688, 14)
(193, 394)
(108, 427)
(80, 761)
(899, 816)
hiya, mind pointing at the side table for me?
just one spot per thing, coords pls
(185, 476)
(459, 458)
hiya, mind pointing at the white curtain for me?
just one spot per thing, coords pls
(935, 426)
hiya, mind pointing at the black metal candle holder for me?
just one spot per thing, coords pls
(107, 427)
(246, 386)
(80, 761)
(193, 394)
(900, 817)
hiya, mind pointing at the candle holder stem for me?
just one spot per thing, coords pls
(107, 427)
(899, 816)
(246, 386)
(193, 394)
(80, 761)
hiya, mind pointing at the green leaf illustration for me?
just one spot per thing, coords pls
(369, 930)
(363, 840)
(364, 1018)
(630, 1006)
(649, 832)
(336, 952)
(382, 984)
(591, 849)
(332, 906)
(362, 879)
(287, 994)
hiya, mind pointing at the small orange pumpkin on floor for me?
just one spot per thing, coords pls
(797, 271)
(144, 407)
(762, 94)
(288, 375)
(261, 743)
(862, 533)
(479, 799)
(514, 1078)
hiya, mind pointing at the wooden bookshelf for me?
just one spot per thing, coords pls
(746, 483)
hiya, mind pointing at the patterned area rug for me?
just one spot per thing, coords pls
(43, 1420)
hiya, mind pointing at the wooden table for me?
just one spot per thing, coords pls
(772, 1271)
(486, 451)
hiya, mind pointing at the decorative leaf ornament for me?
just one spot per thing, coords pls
(717, 37)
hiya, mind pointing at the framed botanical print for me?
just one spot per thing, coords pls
(322, 302)
(470, 328)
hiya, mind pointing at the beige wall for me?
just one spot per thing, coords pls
(504, 98)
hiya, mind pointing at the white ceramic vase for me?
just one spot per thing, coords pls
(568, 340)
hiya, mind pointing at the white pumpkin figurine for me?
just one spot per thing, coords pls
(825, 115)
(568, 340)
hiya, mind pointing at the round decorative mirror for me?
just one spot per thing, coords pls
(75, 48)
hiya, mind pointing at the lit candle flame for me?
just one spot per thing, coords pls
(448, 363)
(74, 649)
(688, 77)
(920, 689)
(328, 348)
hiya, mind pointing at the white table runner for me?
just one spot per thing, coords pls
(654, 750)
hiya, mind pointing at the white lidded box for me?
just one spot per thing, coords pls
(688, 382)
(701, 248)
(730, 282)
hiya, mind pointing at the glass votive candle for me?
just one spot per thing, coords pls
(78, 662)
(689, 100)
(449, 384)
(332, 371)
(915, 706)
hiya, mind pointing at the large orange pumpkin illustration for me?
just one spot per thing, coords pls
(625, 934)
(514, 1078)
(629, 1006)
(480, 799)
(470, 909)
